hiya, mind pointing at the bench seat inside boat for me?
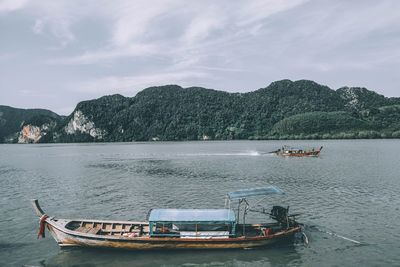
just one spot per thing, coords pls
(93, 231)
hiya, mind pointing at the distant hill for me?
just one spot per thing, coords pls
(12, 120)
(283, 110)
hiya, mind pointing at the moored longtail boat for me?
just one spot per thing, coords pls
(177, 228)
(288, 151)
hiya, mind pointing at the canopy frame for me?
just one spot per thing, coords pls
(252, 192)
(242, 195)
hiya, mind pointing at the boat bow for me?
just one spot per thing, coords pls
(36, 207)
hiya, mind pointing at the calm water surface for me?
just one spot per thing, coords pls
(352, 190)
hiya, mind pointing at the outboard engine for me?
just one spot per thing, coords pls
(280, 214)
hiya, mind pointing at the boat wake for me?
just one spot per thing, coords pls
(252, 153)
(331, 233)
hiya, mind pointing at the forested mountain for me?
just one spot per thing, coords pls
(12, 120)
(285, 109)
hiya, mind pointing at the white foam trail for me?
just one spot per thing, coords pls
(305, 238)
(250, 153)
(343, 237)
(254, 153)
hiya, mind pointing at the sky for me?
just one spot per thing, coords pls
(54, 54)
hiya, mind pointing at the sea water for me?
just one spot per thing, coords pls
(352, 190)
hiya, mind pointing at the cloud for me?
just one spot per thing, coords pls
(106, 54)
(257, 10)
(101, 47)
(203, 25)
(135, 28)
(12, 5)
(38, 26)
(132, 20)
(61, 30)
(55, 16)
(132, 84)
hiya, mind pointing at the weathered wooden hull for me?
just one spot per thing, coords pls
(307, 154)
(290, 152)
(65, 238)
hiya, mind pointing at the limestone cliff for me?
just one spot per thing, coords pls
(80, 123)
(32, 134)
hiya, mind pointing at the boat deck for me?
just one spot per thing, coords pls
(110, 228)
(141, 229)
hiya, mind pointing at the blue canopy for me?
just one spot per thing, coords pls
(192, 215)
(268, 190)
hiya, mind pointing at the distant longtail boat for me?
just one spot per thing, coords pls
(288, 151)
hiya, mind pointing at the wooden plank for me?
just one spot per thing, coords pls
(94, 231)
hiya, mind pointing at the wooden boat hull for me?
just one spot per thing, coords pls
(65, 237)
(306, 154)
(290, 152)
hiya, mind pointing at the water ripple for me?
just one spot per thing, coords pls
(352, 190)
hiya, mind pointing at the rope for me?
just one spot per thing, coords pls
(42, 223)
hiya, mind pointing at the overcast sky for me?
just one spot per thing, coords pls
(54, 54)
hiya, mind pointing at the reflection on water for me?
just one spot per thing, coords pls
(90, 257)
(352, 191)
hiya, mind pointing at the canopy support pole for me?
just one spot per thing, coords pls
(238, 211)
(244, 215)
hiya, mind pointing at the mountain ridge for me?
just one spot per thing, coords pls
(171, 112)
